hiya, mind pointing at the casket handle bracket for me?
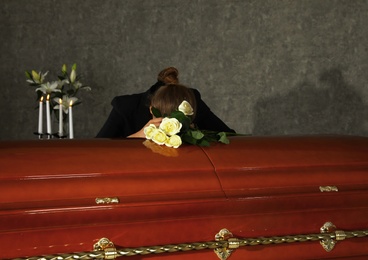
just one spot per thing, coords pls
(108, 247)
(232, 243)
(329, 243)
(107, 200)
(328, 189)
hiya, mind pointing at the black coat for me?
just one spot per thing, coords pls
(131, 113)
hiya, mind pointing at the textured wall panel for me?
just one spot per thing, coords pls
(264, 67)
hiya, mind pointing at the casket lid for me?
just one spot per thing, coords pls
(76, 172)
(54, 173)
(253, 166)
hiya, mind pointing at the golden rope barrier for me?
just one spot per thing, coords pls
(223, 246)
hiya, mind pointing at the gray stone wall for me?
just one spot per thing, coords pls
(265, 67)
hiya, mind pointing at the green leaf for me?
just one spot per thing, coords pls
(179, 115)
(70, 92)
(61, 78)
(197, 134)
(156, 112)
(187, 138)
(223, 138)
(28, 75)
(183, 119)
(203, 142)
(64, 69)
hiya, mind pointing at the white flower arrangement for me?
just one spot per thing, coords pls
(65, 88)
(176, 129)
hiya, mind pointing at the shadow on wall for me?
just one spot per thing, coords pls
(334, 108)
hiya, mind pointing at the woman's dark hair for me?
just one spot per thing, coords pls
(168, 98)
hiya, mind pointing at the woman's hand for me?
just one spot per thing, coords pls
(140, 133)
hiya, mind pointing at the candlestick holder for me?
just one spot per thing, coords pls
(44, 135)
(40, 135)
(60, 136)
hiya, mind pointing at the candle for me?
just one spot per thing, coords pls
(71, 132)
(48, 119)
(60, 117)
(40, 114)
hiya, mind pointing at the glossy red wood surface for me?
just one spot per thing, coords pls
(76, 170)
(255, 186)
(288, 165)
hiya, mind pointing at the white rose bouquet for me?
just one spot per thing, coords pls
(176, 129)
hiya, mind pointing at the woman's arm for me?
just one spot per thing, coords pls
(140, 133)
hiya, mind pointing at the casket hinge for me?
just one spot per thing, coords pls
(104, 244)
(329, 243)
(233, 243)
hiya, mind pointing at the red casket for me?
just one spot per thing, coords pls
(302, 197)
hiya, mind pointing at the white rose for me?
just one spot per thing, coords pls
(170, 126)
(149, 131)
(173, 141)
(186, 108)
(159, 137)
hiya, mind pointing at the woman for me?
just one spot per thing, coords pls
(167, 100)
(131, 113)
